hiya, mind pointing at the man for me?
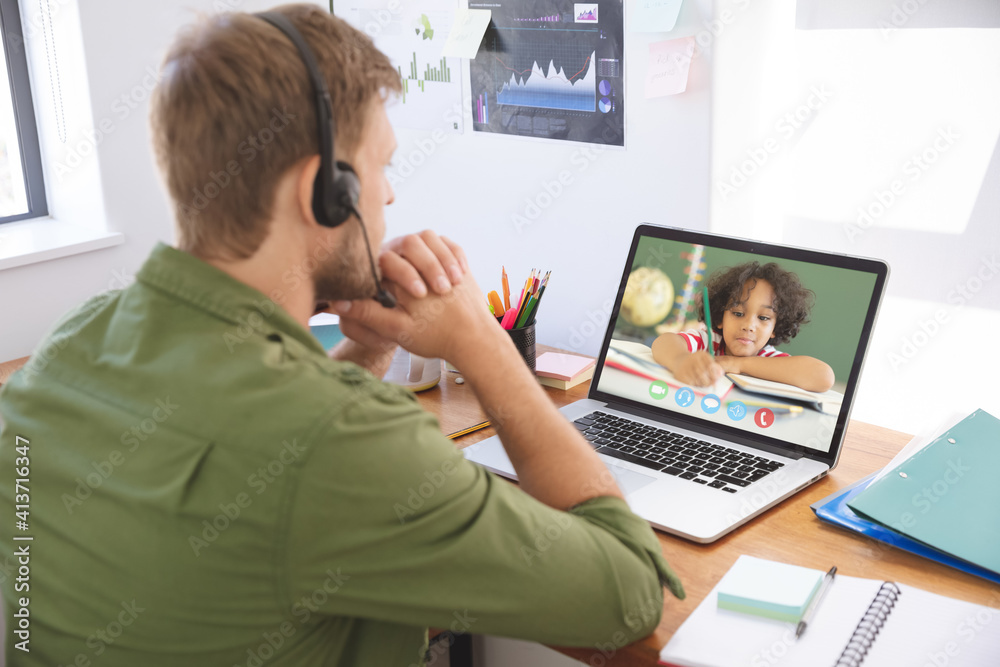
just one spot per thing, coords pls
(208, 487)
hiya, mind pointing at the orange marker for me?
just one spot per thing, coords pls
(496, 303)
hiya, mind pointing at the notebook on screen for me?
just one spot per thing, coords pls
(677, 413)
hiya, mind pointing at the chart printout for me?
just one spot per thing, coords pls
(552, 70)
(413, 35)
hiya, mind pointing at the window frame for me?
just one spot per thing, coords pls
(24, 112)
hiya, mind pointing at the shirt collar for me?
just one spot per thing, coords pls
(199, 283)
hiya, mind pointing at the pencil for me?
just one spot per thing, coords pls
(708, 320)
(525, 295)
(776, 408)
(541, 290)
(506, 289)
(474, 427)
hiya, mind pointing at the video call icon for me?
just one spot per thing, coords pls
(658, 390)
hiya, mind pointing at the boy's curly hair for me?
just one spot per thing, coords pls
(792, 301)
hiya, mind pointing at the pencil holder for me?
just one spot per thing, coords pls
(524, 341)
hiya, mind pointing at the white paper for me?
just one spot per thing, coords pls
(467, 32)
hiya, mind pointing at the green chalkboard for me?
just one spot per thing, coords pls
(834, 328)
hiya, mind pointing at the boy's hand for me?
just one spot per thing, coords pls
(699, 369)
(729, 363)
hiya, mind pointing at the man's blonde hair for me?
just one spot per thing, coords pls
(235, 109)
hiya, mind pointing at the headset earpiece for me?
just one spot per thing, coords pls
(337, 188)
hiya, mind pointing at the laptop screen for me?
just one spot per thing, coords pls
(773, 358)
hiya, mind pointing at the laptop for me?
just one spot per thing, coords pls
(699, 461)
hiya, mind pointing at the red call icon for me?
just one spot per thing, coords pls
(764, 417)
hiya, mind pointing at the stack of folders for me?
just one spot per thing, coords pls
(939, 498)
(563, 371)
(858, 623)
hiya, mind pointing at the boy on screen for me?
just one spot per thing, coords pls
(753, 307)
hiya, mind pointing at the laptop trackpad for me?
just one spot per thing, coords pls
(628, 480)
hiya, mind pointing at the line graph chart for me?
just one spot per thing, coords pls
(551, 89)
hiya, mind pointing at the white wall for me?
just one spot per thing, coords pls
(468, 188)
(944, 287)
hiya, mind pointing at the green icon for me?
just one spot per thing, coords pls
(423, 27)
(658, 390)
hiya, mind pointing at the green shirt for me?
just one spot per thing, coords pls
(208, 487)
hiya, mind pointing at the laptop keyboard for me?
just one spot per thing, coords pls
(701, 462)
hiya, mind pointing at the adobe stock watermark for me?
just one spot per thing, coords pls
(926, 499)
(543, 537)
(406, 166)
(102, 638)
(33, 24)
(418, 496)
(785, 129)
(249, 150)
(778, 649)
(132, 438)
(259, 482)
(297, 274)
(551, 189)
(911, 172)
(594, 324)
(962, 294)
(377, 20)
(899, 16)
(966, 632)
(637, 619)
(302, 610)
(122, 107)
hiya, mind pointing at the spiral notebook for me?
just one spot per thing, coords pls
(860, 623)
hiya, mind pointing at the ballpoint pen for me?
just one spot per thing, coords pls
(814, 605)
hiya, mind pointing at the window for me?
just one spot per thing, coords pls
(22, 190)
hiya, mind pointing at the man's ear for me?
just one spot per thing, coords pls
(304, 189)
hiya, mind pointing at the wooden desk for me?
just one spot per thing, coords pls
(788, 532)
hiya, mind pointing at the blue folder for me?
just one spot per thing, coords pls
(833, 509)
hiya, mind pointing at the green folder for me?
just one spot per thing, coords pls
(947, 495)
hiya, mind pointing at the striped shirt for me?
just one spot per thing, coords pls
(697, 340)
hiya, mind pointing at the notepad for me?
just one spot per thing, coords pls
(769, 589)
(827, 402)
(859, 623)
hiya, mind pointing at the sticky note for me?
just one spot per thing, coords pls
(669, 64)
(769, 589)
(561, 366)
(467, 32)
(654, 15)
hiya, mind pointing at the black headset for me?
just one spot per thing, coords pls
(337, 188)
